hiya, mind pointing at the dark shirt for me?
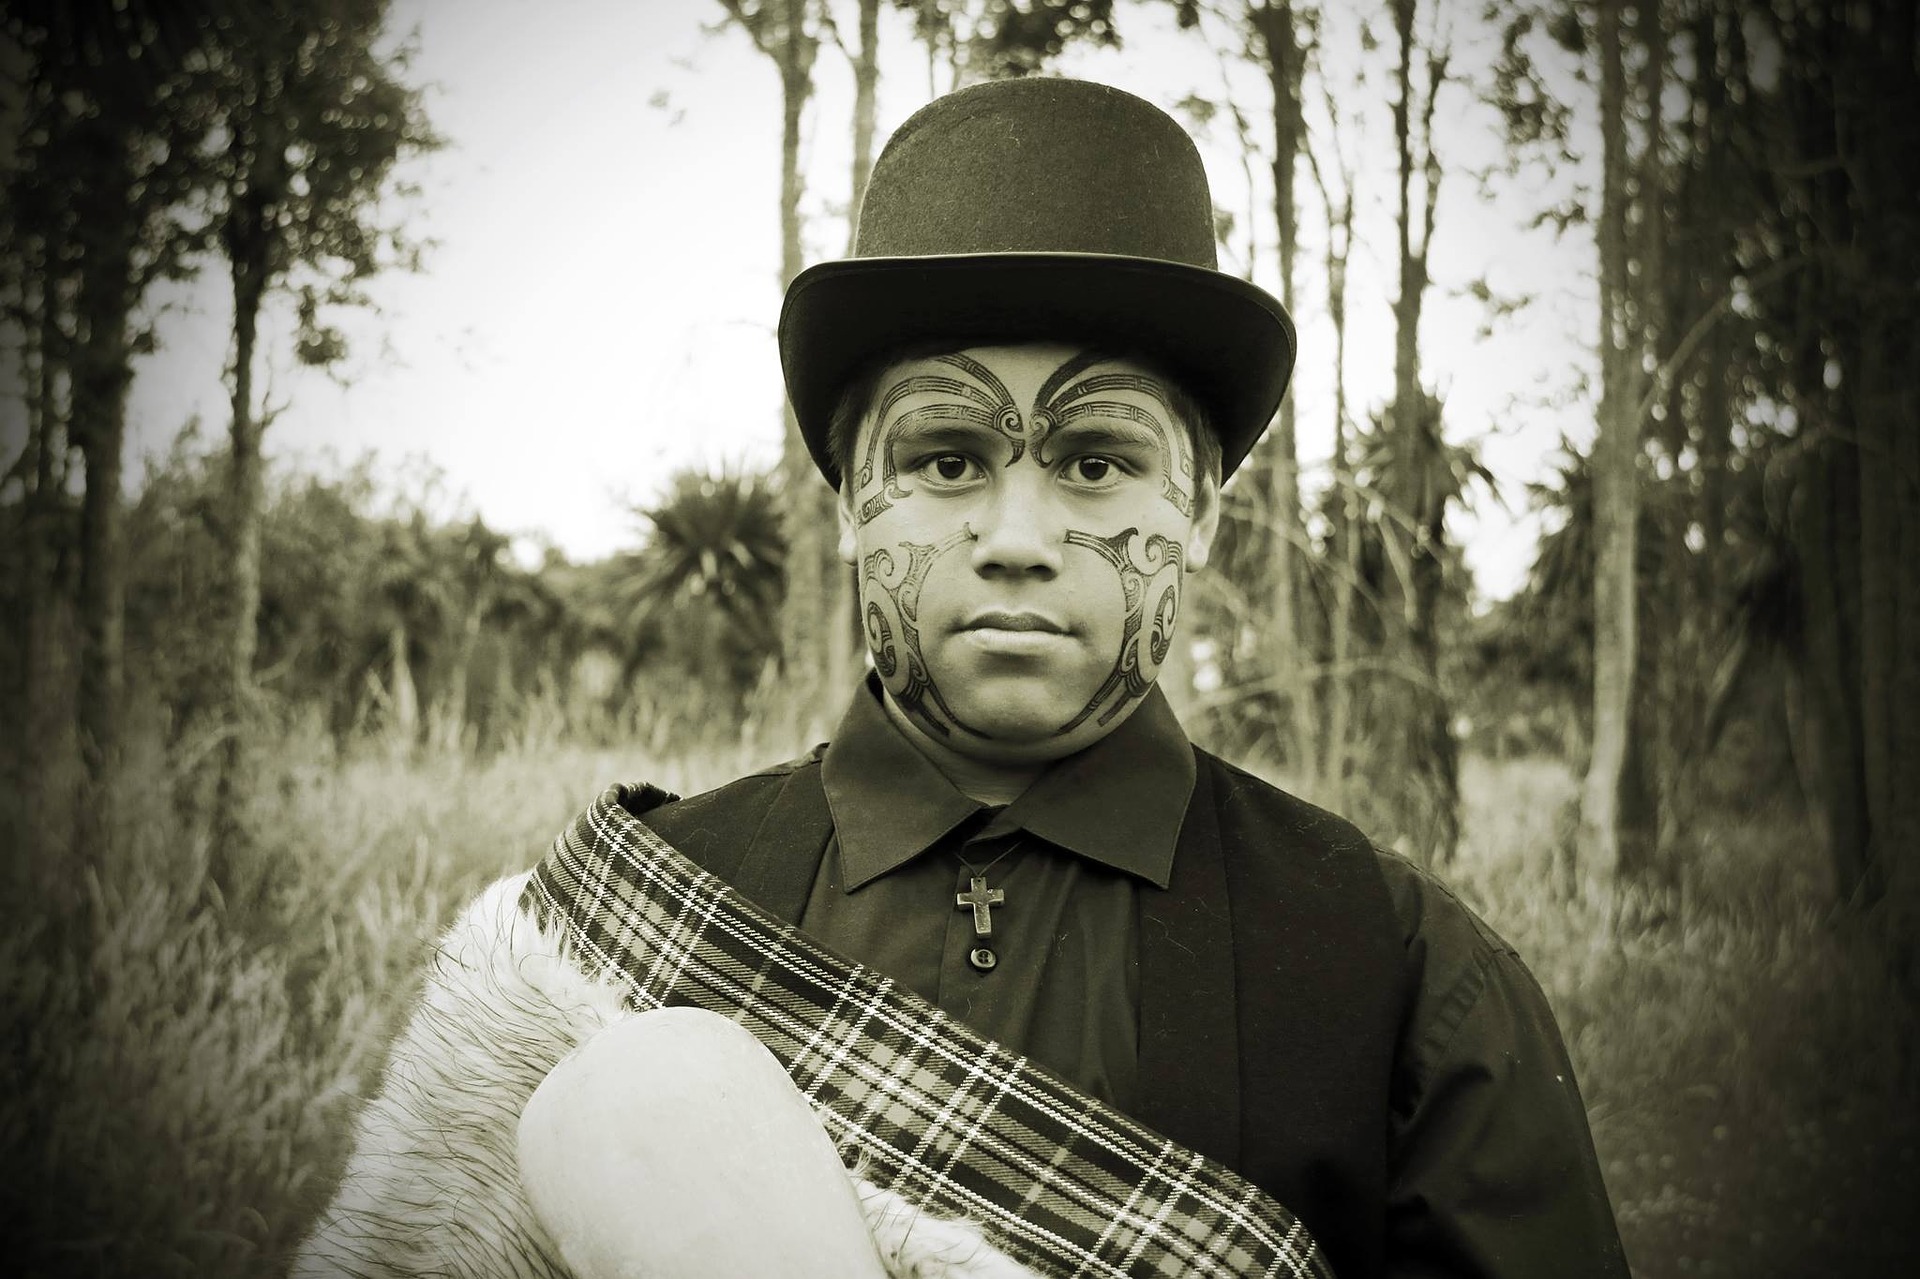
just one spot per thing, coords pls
(1492, 1170)
(1068, 854)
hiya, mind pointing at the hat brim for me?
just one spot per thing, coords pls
(1230, 342)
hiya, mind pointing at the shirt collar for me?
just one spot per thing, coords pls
(1120, 802)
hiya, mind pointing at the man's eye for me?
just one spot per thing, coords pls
(951, 467)
(1093, 470)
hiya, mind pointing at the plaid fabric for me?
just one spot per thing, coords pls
(948, 1120)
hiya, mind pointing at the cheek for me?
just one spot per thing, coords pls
(901, 597)
(1102, 602)
(1163, 612)
(1151, 608)
(1147, 590)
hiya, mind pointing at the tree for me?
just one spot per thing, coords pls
(315, 118)
(1263, 659)
(1607, 848)
(1843, 177)
(41, 534)
(1419, 470)
(816, 650)
(865, 59)
(114, 111)
(1768, 493)
(413, 598)
(1279, 41)
(478, 575)
(1003, 39)
(1343, 501)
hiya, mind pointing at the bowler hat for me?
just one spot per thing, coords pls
(1036, 209)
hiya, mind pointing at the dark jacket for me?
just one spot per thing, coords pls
(1301, 999)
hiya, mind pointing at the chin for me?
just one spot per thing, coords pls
(1014, 717)
(1021, 718)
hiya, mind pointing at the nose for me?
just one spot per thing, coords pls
(1018, 531)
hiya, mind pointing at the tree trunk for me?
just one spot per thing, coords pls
(866, 82)
(101, 374)
(247, 248)
(1345, 506)
(44, 740)
(1279, 461)
(846, 638)
(1431, 767)
(816, 648)
(1664, 728)
(1825, 520)
(1875, 102)
(1615, 498)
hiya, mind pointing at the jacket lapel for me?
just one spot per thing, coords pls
(1189, 1040)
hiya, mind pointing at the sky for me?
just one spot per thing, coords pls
(597, 303)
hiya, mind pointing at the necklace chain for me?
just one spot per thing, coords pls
(980, 872)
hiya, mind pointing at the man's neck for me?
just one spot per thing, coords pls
(981, 780)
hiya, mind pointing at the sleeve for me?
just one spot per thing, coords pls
(1493, 1172)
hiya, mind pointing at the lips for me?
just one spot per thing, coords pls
(1001, 620)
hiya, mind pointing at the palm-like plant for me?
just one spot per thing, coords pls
(714, 553)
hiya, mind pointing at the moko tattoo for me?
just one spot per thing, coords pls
(975, 396)
(1082, 400)
(1149, 569)
(891, 590)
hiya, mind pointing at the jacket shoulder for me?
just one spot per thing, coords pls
(1250, 801)
(726, 814)
(1424, 905)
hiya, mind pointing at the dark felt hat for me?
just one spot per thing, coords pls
(1039, 209)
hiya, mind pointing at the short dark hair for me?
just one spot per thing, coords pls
(856, 399)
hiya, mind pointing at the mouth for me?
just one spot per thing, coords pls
(1001, 620)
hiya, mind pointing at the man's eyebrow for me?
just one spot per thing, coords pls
(943, 422)
(1108, 425)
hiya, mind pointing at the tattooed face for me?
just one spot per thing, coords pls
(1021, 519)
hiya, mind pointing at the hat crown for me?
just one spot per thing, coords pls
(1039, 166)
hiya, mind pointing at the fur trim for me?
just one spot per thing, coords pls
(433, 1185)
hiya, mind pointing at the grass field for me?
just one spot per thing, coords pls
(179, 1094)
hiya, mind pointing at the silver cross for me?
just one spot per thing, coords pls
(980, 899)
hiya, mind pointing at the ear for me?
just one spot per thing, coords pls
(1206, 523)
(849, 547)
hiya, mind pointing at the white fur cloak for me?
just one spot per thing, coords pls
(433, 1185)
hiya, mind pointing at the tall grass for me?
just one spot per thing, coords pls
(1748, 1060)
(184, 1067)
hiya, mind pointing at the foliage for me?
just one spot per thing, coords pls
(1384, 679)
(1001, 39)
(314, 117)
(114, 108)
(701, 597)
(95, 213)
(494, 650)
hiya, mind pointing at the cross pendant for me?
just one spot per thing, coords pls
(981, 900)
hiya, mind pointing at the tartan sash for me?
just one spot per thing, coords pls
(929, 1109)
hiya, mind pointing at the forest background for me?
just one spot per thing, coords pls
(275, 716)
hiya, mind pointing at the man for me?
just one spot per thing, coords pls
(1027, 387)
